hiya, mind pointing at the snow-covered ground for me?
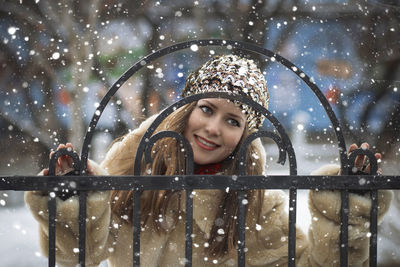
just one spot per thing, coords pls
(19, 239)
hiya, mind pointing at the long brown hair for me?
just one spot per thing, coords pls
(168, 159)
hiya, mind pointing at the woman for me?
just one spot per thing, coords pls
(215, 129)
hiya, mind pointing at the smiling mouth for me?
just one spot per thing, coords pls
(205, 144)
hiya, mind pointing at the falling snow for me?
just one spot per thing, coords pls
(85, 63)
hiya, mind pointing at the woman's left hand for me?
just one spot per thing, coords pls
(361, 162)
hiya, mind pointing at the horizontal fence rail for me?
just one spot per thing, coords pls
(81, 185)
(191, 182)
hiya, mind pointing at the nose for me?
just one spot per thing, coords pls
(213, 126)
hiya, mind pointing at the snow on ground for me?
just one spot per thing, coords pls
(19, 239)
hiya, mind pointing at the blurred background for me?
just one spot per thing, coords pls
(59, 58)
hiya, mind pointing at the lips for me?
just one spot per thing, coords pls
(205, 144)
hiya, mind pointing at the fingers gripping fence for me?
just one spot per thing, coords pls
(65, 186)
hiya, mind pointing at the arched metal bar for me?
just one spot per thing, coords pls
(371, 157)
(258, 134)
(283, 144)
(251, 138)
(63, 152)
(243, 99)
(189, 170)
(241, 194)
(292, 193)
(229, 44)
(52, 206)
(212, 42)
(145, 148)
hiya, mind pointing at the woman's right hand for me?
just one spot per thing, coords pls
(64, 164)
(361, 163)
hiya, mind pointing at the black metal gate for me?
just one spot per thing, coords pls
(189, 182)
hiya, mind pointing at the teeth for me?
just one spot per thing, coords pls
(205, 142)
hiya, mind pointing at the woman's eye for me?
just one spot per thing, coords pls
(233, 122)
(206, 109)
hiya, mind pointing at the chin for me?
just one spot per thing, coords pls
(203, 161)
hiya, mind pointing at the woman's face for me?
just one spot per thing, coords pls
(214, 129)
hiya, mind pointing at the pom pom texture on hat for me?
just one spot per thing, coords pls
(232, 74)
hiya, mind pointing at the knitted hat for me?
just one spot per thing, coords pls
(235, 75)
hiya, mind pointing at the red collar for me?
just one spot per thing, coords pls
(208, 169)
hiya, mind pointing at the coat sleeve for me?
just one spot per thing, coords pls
(99, 230)
(389, 235)
(324, 232)
(267, 238)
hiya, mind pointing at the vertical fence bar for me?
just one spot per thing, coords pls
(82, 227)
(292, 226)
(136, 228)
(52, 230)
(344, 222)
(189, 228)
(373, 244)
(241, 228)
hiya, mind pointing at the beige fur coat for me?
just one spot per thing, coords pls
(110, 238)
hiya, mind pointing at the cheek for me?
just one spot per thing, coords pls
(195, 120)
(234, 138)
(191, 124)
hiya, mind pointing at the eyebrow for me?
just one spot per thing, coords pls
(230, 114)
